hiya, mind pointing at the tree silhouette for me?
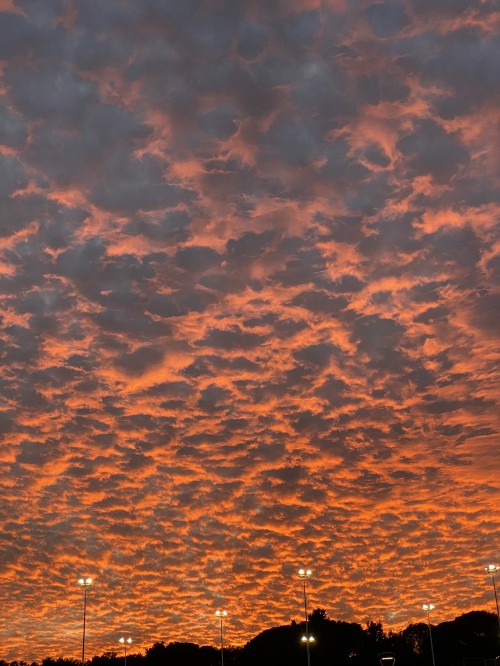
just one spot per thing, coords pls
(279, 646)
(180, 654)
(470, 636)
(155, 655)
(342, 639)
(413, 644)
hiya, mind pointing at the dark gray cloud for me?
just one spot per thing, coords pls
(219, 123)
(387, 18)
(129, 184)
(13, 130)
(197, 258)
(234, 338)
(431, 150)
(374, 89)
(71, 157)
(41, 94)
(137, 361)
(252, 38)
(16, 34)
(461, 62)
(12, 175)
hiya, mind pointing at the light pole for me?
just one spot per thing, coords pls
(427, 608)
(304, 574)
(125, 642)
(492, 569)
(84, 582)
(221, 614)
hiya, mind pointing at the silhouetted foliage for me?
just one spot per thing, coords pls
(372, 642)
(155, 655)
(232, 656)
(278, 646)
(348, 644)
(470, 636)
(180, 654)
(111, 659)
(105, 659)
(60, 661)
(342, 639)
(416, 636)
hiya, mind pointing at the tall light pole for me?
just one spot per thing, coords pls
(427, 608)
(221, 614)
(492, 569)
(125, 642)
(304, 574)
(84, 582)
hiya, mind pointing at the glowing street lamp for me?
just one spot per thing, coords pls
(427, 608)
(125, 642)
(221, 614)
(84, 582)
(387, 659)
(304, 574)
(492, 569)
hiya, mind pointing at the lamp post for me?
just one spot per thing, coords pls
(306, 639)
(304, 574)
(221, 614)
(427, 608)
(125, 642)
(492, 569)
(84, 582)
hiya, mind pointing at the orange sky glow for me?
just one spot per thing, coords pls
(249, 283)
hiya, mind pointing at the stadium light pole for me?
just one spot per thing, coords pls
(85, 583)
(427, 608)
(221, 614)
(304, 574)
(492, 569)
(125, 641)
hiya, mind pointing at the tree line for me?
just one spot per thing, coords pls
(471, 639)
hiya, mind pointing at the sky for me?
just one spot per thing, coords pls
(249, 284)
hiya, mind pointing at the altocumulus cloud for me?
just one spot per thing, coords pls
(249, 303)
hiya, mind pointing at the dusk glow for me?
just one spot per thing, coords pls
(249, 282)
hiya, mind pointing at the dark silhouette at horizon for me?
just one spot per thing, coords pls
(469, 640)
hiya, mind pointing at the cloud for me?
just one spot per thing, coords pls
(12, 176)
(14, 128)
(248, 283)
(386, 19)
(430, 150)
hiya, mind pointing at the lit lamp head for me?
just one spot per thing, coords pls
(387, 659)
(305, 573)
(85, 581)
(428, 607)
(221, 613)
(305, 639)
(491, 569)
(125, 640)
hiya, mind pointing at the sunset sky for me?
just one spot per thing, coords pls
(249, 283)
